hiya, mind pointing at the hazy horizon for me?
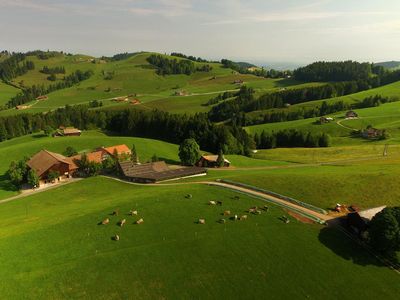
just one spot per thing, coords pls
(262, 32)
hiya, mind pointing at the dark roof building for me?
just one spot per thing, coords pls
(211, 161)
(45, 161)
(157, 171)
(351, 114)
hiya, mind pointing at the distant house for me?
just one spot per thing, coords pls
(67, 131)
(102, 153)
(45, 161)
(238, 81)
(210, 161)
(42, 97)
(324, 120)
(156, 172)
(351, 114)
(372, 133)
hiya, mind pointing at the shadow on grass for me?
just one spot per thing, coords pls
(6, 185)
(39, 135)
(343, 246)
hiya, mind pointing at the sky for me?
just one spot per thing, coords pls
(296, 31)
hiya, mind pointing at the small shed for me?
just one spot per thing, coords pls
(210, 161)
(351, 114)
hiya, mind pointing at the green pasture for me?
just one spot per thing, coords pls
(53, 247)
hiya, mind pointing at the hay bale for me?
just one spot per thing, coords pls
(105, 221)
(140, 221)
(202, 221)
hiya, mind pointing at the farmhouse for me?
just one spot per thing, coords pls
(67, 131)
(45, 161)
(372, 133)
(42, 97)
(156, 172)
(103, 153)
(210, 161)
(351, 114)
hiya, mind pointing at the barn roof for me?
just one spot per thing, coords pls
(44, 160)
(157, 171)
(96, 156)
(120, 149)
(214, 158)
(71, 130)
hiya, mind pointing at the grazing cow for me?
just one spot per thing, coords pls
(212, 203)
(189, 196)
(258, 212)
(122, 222)
(222, 221)
(133, 212)
(266, 208)
(244, 217)
(252, 210)
(219, 203)
(202, 221)
(227, 213)
(140, 221)
(236, 217)
(116, 237)
(115, 212)
(105, 221)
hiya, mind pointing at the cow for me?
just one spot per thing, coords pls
(116, 237)
(227, 213)
(212, 203)
(133, 212)
(202, 221)
(222, 221)
(140, 221)
(244, 217)
(219, 203)
(105, 221)
(115, 212)
(122, 222)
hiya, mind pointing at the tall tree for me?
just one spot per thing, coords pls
(189, 152)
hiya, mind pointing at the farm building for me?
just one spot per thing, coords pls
(351, 114)
(45, 161)
(67, 131)
(238, 81)
(324, 120)
(156, 172)
(372, 133)
(44, 97)
(210, 161)
(103, 153)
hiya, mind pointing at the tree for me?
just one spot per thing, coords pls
(384, 231)
(70, 151)
(48, 130)
(33, 178)
(220, 159)
(109, 165)
(53, 175)
(134, 155)
(189, 152)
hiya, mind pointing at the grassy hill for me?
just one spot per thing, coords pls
(53, 248)
(135, 75)
(7, 92)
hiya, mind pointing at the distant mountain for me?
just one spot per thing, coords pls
(389, 64)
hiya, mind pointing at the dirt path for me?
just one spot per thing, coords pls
(344, 126)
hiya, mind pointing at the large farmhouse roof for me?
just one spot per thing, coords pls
(96, 156)
(157, 171)
(120, 149)
(44, 160)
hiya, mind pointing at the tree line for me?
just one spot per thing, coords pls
(189, 57)
(290, 139)
(283, 115)
(15, 66)
(166, 66)
(30, 93)
(54, 70)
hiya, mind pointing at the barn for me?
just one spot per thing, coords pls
(45, 161)
(210, 161)
(157, 171)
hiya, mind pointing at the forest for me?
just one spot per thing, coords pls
(167, 66)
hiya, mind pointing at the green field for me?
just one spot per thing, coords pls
(7, 92)
(53, 248)
(26, 146)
